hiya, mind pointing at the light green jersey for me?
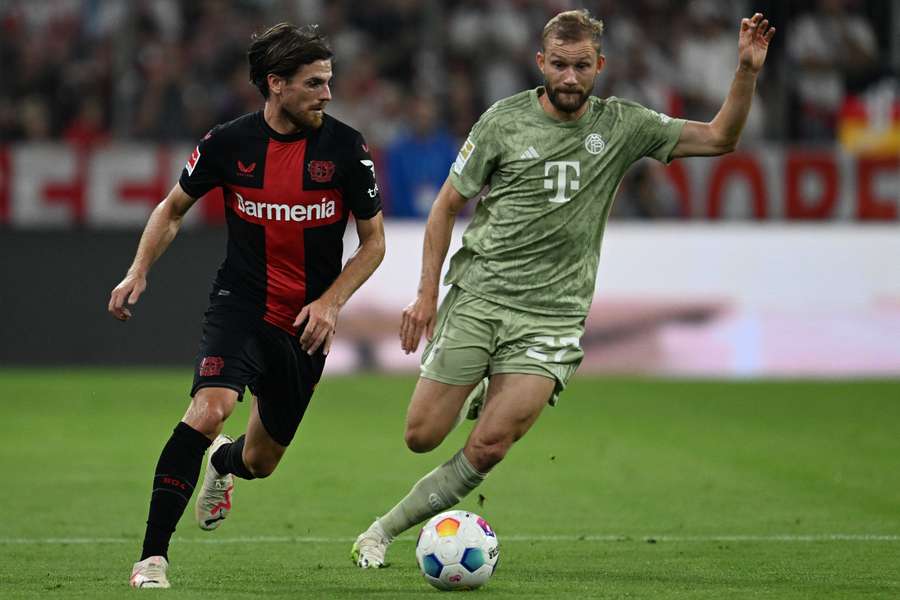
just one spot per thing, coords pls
(534, 241)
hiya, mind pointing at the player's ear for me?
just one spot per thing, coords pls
(275, 82)
(601, 62)
(539, 59)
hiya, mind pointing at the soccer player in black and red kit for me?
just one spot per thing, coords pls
(291, 177)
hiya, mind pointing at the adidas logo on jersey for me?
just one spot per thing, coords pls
(529, 153)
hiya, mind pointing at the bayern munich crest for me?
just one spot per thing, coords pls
(594, 143)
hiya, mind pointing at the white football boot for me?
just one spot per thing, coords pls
(150, 573)
(370, 547)
(214, 498)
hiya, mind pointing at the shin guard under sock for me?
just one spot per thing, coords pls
(176, 476)
(436, 492)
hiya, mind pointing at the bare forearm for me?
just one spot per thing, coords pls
(730, 120)
(161, 228)
(358, 269)
(721, 135)
(438, 232)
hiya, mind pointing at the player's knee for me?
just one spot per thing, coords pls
(209, 409)
(217, 412)
(485, 453)
(261, 471)
(420, 439)
(209, 423)
(260, 466)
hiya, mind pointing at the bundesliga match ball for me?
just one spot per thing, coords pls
(457, 550)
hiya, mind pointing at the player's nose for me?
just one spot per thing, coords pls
(326, 93)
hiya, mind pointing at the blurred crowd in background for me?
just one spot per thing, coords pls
(414, 75)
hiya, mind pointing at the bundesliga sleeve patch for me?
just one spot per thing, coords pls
(192, 161)
(463, 157)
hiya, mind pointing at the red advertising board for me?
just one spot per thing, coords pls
(55, 185)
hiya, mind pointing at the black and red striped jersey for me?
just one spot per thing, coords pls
(287, 201)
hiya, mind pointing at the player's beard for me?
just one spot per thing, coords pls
(306, 119)
(566, 103)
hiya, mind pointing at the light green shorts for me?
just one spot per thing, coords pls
(475, 338)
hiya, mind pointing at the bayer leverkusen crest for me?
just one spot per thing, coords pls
(321, 171)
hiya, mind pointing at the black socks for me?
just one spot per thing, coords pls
(176, 476)
(228, 459)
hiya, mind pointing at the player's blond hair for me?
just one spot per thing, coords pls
(573, 26)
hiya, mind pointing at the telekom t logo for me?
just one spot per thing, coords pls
(561, 183)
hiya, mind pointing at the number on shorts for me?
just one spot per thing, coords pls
(548, 343)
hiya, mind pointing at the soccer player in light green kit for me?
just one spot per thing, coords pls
(506, 337)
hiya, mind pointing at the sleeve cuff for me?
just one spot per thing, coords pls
(668, 149)
(460, 186)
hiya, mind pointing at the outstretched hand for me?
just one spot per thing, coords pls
(753, 43)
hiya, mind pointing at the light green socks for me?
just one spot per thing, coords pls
(436, 492)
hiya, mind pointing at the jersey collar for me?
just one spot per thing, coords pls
(281, 137)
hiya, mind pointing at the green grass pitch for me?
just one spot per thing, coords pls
(628, 489)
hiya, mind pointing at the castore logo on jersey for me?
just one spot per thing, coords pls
(246, 170)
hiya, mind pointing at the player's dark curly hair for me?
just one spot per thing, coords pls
(573, 26)
(282, 49)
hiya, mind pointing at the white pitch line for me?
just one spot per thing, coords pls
(823, 537)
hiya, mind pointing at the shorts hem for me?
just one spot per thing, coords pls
(220, 384)
(528, 371)
(447, 380)
(558, 387)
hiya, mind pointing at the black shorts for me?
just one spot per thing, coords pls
(238, 349)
